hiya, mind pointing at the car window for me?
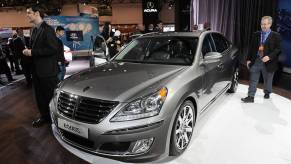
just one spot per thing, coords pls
(135, 51)
(207, 45)
(221, 44)
(160, 50)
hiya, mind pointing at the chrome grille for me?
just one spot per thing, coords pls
(84, 109)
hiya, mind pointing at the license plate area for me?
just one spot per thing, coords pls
(73, 128)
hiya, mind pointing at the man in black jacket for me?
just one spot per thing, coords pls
(19, 45)
(44, 45)
(263, 57)
(60, 31)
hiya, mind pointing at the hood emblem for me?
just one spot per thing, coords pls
(86, 88)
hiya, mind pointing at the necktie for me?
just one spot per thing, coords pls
(261, 48)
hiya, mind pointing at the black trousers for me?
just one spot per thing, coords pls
(43, 91)
(12, 62)
(26, 65)
(16, 62)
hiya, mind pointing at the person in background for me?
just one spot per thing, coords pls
(60, 31)
(108, 35)
(263, 58)
(19, 43)
(140, 29)
(195, 28)
(3, 64)
(150, 28)
(159, 27)
(17, 57)
(206, 26)
(107, 32)
(9, 54)
(44, 50)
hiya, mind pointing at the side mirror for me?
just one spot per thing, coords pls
(211, 57)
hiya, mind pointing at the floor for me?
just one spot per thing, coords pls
(235, 132)
(231, 132)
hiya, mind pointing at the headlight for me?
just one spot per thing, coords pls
(147, 106)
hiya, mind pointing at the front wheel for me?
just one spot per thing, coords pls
(182, 128)
(234, 81)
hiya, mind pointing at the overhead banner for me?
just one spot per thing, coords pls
(79, 31)
(284, 28)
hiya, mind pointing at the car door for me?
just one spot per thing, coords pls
(225, 72)
(100, 51)
(212, 72)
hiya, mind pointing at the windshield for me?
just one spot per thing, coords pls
(160, 50)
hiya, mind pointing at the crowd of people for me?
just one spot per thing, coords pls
(11, 50)
(116, 41)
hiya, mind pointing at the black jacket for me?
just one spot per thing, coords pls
(272, 48)
(18, 46)
(61, 55)
(44, 44)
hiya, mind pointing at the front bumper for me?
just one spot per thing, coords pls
(115, 140)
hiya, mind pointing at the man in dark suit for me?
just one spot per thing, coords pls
(44, 45)
(263, 57)
(26, 61)
(60, 31)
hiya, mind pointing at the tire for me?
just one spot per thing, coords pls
(234, 81)
(182, 129)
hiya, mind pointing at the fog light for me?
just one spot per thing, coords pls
(142, 146)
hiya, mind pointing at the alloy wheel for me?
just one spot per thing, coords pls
(184, 127)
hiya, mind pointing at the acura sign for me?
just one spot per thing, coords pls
(150, 7)
(150, 11)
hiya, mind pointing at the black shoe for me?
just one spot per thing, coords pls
(267, 96)
(248, 99)
(39, 122)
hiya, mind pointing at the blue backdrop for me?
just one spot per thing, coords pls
(88, 26)
(284, 27)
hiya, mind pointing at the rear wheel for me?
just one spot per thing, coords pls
(234, 81)
(182, 128)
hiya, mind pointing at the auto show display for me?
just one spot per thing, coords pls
(143, 103)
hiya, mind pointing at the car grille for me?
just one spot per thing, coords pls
(84, 109)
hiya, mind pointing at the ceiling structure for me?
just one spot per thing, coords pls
(54, 7)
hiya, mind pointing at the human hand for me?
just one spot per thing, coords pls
(26, 52)
(248, 63)
(265, 59)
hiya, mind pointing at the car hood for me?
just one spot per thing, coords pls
(120, 81)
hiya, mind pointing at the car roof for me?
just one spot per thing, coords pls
(179, 34)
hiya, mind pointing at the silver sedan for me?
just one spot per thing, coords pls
(143, 103)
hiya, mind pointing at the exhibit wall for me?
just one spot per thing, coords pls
(79, 30)
(284, 27)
